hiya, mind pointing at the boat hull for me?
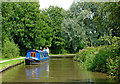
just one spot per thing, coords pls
(33, 62)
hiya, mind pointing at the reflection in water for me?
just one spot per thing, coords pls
(37, 71)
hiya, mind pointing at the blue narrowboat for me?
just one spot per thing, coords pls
(34, 57)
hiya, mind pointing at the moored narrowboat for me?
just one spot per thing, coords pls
(35, 57)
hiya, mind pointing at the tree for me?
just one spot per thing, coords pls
(78, 27)
(22, 23)
(56, 19)
(108, 18)
(46, 30)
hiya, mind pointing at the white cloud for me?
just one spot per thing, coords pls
(61, 3)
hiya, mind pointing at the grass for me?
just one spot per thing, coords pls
(1, 59)
(10, 63)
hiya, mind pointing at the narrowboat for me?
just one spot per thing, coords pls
(35, 57)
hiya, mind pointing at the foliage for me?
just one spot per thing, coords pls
(108, 20)
(45, 30)
(106, 40)
(113, 65)
(78, 27)
(87, 55)
(23, 23)
(56, 18)
(103, 58)
(84, 24)
(10, 49)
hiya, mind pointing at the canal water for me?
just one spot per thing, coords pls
(54, 70)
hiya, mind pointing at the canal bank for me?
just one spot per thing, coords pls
(63, 55)
(104, 59)
(54, 70)
(6, 64)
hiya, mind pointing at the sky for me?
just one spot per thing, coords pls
(61, 3)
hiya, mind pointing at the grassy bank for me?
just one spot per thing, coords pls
(10, 63)
(104, 59)
(1, 59)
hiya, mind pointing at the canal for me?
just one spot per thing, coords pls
(54, 70)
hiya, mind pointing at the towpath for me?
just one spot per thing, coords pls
(11, 59)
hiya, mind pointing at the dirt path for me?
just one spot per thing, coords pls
(11, 59)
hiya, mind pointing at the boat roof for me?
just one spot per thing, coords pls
(38, 51)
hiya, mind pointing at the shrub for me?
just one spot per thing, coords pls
(63, 51)
(113, 65)
(10, 49)
(103, 58)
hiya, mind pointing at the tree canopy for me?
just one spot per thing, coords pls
(63, 31)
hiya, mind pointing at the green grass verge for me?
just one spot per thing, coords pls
(10, 63)
(1, 59)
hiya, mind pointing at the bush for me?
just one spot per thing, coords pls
(103, 58)
(113, 65)
(63, 51)
(10, 49)
(99, 61)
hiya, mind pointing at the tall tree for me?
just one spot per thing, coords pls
(22, 22)
(78, 27)
(56, 19)
(108, 18)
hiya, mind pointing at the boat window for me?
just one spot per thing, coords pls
(40, 55)
(33, 54)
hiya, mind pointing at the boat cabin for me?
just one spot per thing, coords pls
(36, 56)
